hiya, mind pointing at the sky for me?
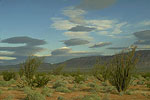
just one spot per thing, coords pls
(63, 29)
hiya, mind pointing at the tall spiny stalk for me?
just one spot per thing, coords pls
(123, 68)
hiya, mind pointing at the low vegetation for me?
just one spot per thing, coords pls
(106, 81)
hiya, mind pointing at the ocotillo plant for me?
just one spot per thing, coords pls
(123, 68)
(29, 68)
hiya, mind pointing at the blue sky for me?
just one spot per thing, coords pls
(64, 29)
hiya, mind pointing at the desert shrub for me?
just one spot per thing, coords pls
(29, 68)
(46, 91)
(129, 92)
(27, 90)
(148, 84)
(60, 86)
(58, 70)
(8, 75)
(1, 91)
(63, 89)
(7, 83)
(105, 83)
(94, 87)
(101, 71)
(22, 82)
(79, 78)
(108, 89)
(61, 98)
(10, 97)
(75, 87)
(41, 80)
(33, 95)
(141, 82)
(122, 69)
(146, 74)
(59, 83)
(91, 97)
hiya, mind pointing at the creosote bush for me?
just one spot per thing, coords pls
(33, 95)
(122, 68)
(46, 91)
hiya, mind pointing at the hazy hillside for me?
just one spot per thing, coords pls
(87, 62)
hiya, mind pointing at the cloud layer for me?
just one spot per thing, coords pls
(21, 52)
(100, 44)
(81, 29)
(75, 42)
(143, 37)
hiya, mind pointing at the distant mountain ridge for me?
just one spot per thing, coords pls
(87, 62)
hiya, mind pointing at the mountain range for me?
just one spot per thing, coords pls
(85, 63)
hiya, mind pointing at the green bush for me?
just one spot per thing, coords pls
(59, 84)
(122, 69)
(7, 75)
(33, 95)
(140, 82)
(63, 89)
(10, 97)
(91, 97)
(41, 80)
(79, 78)
(94, 87)
(7, 83)
(146, 74)
(46, 91)
(148, 84)
(61, 98)
(1, 91)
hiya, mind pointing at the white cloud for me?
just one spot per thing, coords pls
(6, 53)
(118, 27)
(101, 24)
(76, 18)
(75, 15)
(71, 12)
(7, 58)
(83, 35)
(62, 24)
(145, 23)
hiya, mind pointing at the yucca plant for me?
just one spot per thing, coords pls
(123, 67)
